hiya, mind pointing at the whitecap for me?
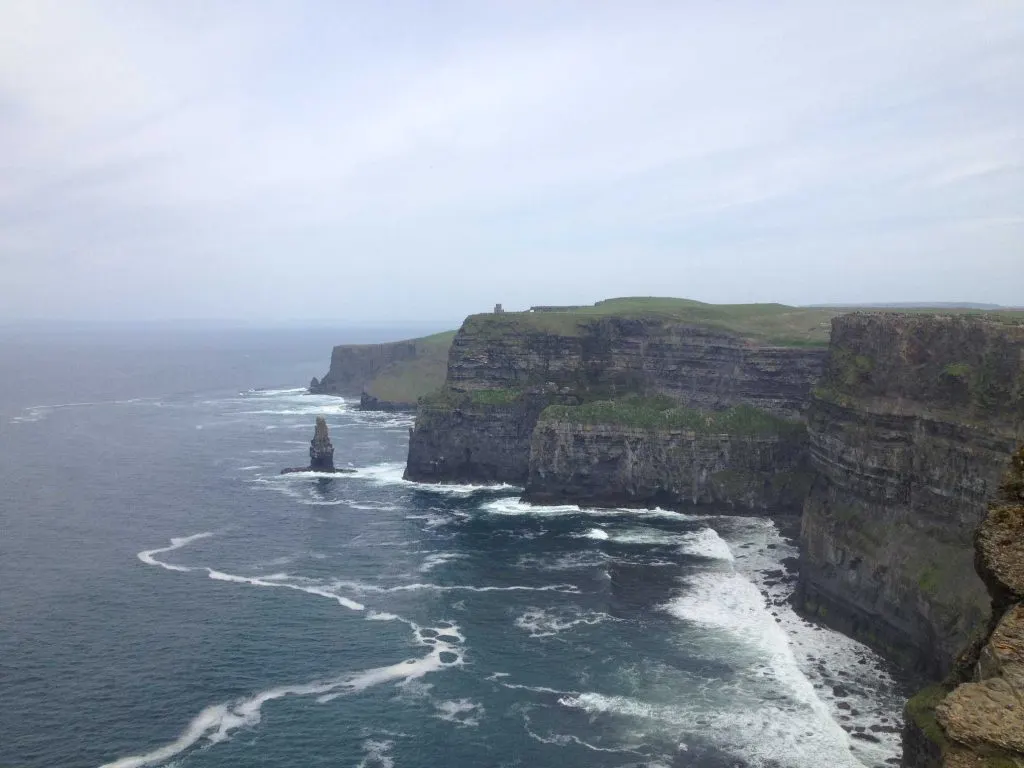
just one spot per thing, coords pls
(547, 622)
(514, 506)
(391, 473)
(437, 559)
(377, 754)
(462, 712)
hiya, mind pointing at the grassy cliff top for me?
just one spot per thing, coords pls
(769, 323)
(665, 413)
(776, 324)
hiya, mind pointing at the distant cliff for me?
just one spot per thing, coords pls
(391, 376)
(910, 429)
(975, 719)
(506, 369)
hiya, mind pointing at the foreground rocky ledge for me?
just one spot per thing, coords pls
(976, 718)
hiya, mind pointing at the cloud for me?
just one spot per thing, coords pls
(315, 160)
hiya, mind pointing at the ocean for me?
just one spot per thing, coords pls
(167, 598)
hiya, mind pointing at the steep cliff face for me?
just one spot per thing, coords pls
(976, 718)
(504, 369)
(612, 464)
(910, 429)
(700, 366)
(483, 437)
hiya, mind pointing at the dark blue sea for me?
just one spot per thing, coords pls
(167, 598)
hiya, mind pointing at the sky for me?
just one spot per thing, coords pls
(418, 161)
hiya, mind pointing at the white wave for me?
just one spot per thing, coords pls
(499, 678)
(514, 506)
(765, 735)
(377, 754)
(437, 559)
(216, 723)
(275, 392)
(332, 409)
(176, 543)
(565, 561)
(390, 473)
(707, 543)
(565, 739)
(279, 581)
(846, 675)
(598, 534)
(34, 413)
(357, 586)
(250, 468)
(542, 622)
(730, 602)
(276, 580)
(462, 712)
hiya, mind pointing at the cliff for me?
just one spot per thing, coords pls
(612, 454)
(976, 718)
(910, 428)
(389, 377)
(505, 369)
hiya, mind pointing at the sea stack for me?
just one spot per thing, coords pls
(321, 452)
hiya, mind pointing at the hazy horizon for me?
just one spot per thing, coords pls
(409, 164)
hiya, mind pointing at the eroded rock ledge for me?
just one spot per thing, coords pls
(976, 718)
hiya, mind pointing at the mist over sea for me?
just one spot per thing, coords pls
(168, 599)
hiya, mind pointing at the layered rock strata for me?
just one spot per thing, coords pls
(619, 465)
(910, 429)
(504, 370)
(977, 717)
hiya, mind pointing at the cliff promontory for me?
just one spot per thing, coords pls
(387, 377)
(638, 401)
(910, 428)
(976, 718)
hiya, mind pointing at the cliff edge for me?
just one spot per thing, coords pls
(976, 719)
(910, 428)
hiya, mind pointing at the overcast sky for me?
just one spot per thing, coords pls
(284, 161)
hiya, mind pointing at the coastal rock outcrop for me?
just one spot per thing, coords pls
(321, 452)
(976, 718)
(910, 429)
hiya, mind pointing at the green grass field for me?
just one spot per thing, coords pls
(777, 324)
